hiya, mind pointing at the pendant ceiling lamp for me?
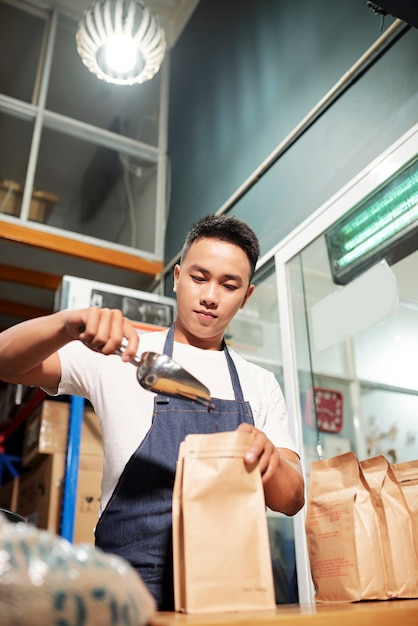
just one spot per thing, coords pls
(121, 41)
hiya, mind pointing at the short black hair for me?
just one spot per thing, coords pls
(225, 228)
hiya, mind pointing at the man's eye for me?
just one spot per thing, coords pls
(230, 287)
(198, 279)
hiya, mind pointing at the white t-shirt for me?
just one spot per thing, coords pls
(124, 408)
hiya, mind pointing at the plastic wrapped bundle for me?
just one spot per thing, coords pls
(44, 579)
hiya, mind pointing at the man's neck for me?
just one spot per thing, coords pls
(181, 335)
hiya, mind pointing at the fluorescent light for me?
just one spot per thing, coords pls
(381, 227)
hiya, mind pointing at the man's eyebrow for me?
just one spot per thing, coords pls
(236, 277)
(198, 268)
(203, 270)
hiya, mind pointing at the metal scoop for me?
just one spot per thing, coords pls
(159, 373)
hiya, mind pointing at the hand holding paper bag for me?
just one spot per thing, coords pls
(222, 558)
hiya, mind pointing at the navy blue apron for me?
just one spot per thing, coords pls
(136, 523)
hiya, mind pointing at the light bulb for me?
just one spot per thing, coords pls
(121, 53)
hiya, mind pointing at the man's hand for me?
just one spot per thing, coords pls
(261, 451)
(280, 472)
(103, 330)
(28, 351)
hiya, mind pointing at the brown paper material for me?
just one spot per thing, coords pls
(396, 528)
(360, 530)
(407, 476)
(222, 559)
(343, 534)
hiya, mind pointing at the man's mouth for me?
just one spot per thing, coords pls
(206, 314)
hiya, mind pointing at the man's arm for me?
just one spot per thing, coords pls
(284, 486)
(284, 490)
(28, 351)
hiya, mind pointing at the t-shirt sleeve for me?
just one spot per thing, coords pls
(276, 424)
(79, 369)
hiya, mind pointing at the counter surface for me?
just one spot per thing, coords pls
(384, 613)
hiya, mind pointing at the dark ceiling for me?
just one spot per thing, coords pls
(406, 10)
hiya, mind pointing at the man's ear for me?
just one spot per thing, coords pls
(176, 276)
(247, 295)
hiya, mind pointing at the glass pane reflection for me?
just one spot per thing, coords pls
(375, 370)
(98, 191)
(13, 131)
(21, 36)
(255, 331)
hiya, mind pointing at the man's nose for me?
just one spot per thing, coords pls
(209, 295)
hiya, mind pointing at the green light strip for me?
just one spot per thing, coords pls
(393, 209)
(379, 237)
(375, 210)
(379, 225)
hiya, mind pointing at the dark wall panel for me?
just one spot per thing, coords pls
(245, 73)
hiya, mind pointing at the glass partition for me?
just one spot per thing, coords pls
(349, 340)
(255, 333)
(361, 393)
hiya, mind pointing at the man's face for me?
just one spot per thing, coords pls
(212, 284)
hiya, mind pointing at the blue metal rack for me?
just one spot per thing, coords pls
(7, 462)
(72, 467)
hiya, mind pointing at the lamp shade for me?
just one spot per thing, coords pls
(121, 41)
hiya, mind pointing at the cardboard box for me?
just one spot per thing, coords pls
(46, 431)
(40, 492)
(89, 484)
(91, 463)
(87, 505)
(41, 205)
(39, 495)
(44, 454)
(9, 494)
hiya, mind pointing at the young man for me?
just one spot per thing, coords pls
(72, 352)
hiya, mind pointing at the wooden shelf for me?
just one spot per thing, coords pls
(33, 261)
(78, 249)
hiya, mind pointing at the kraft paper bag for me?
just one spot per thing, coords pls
(221, 550)
(406, 474)
(343, 533)
(395, 526)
